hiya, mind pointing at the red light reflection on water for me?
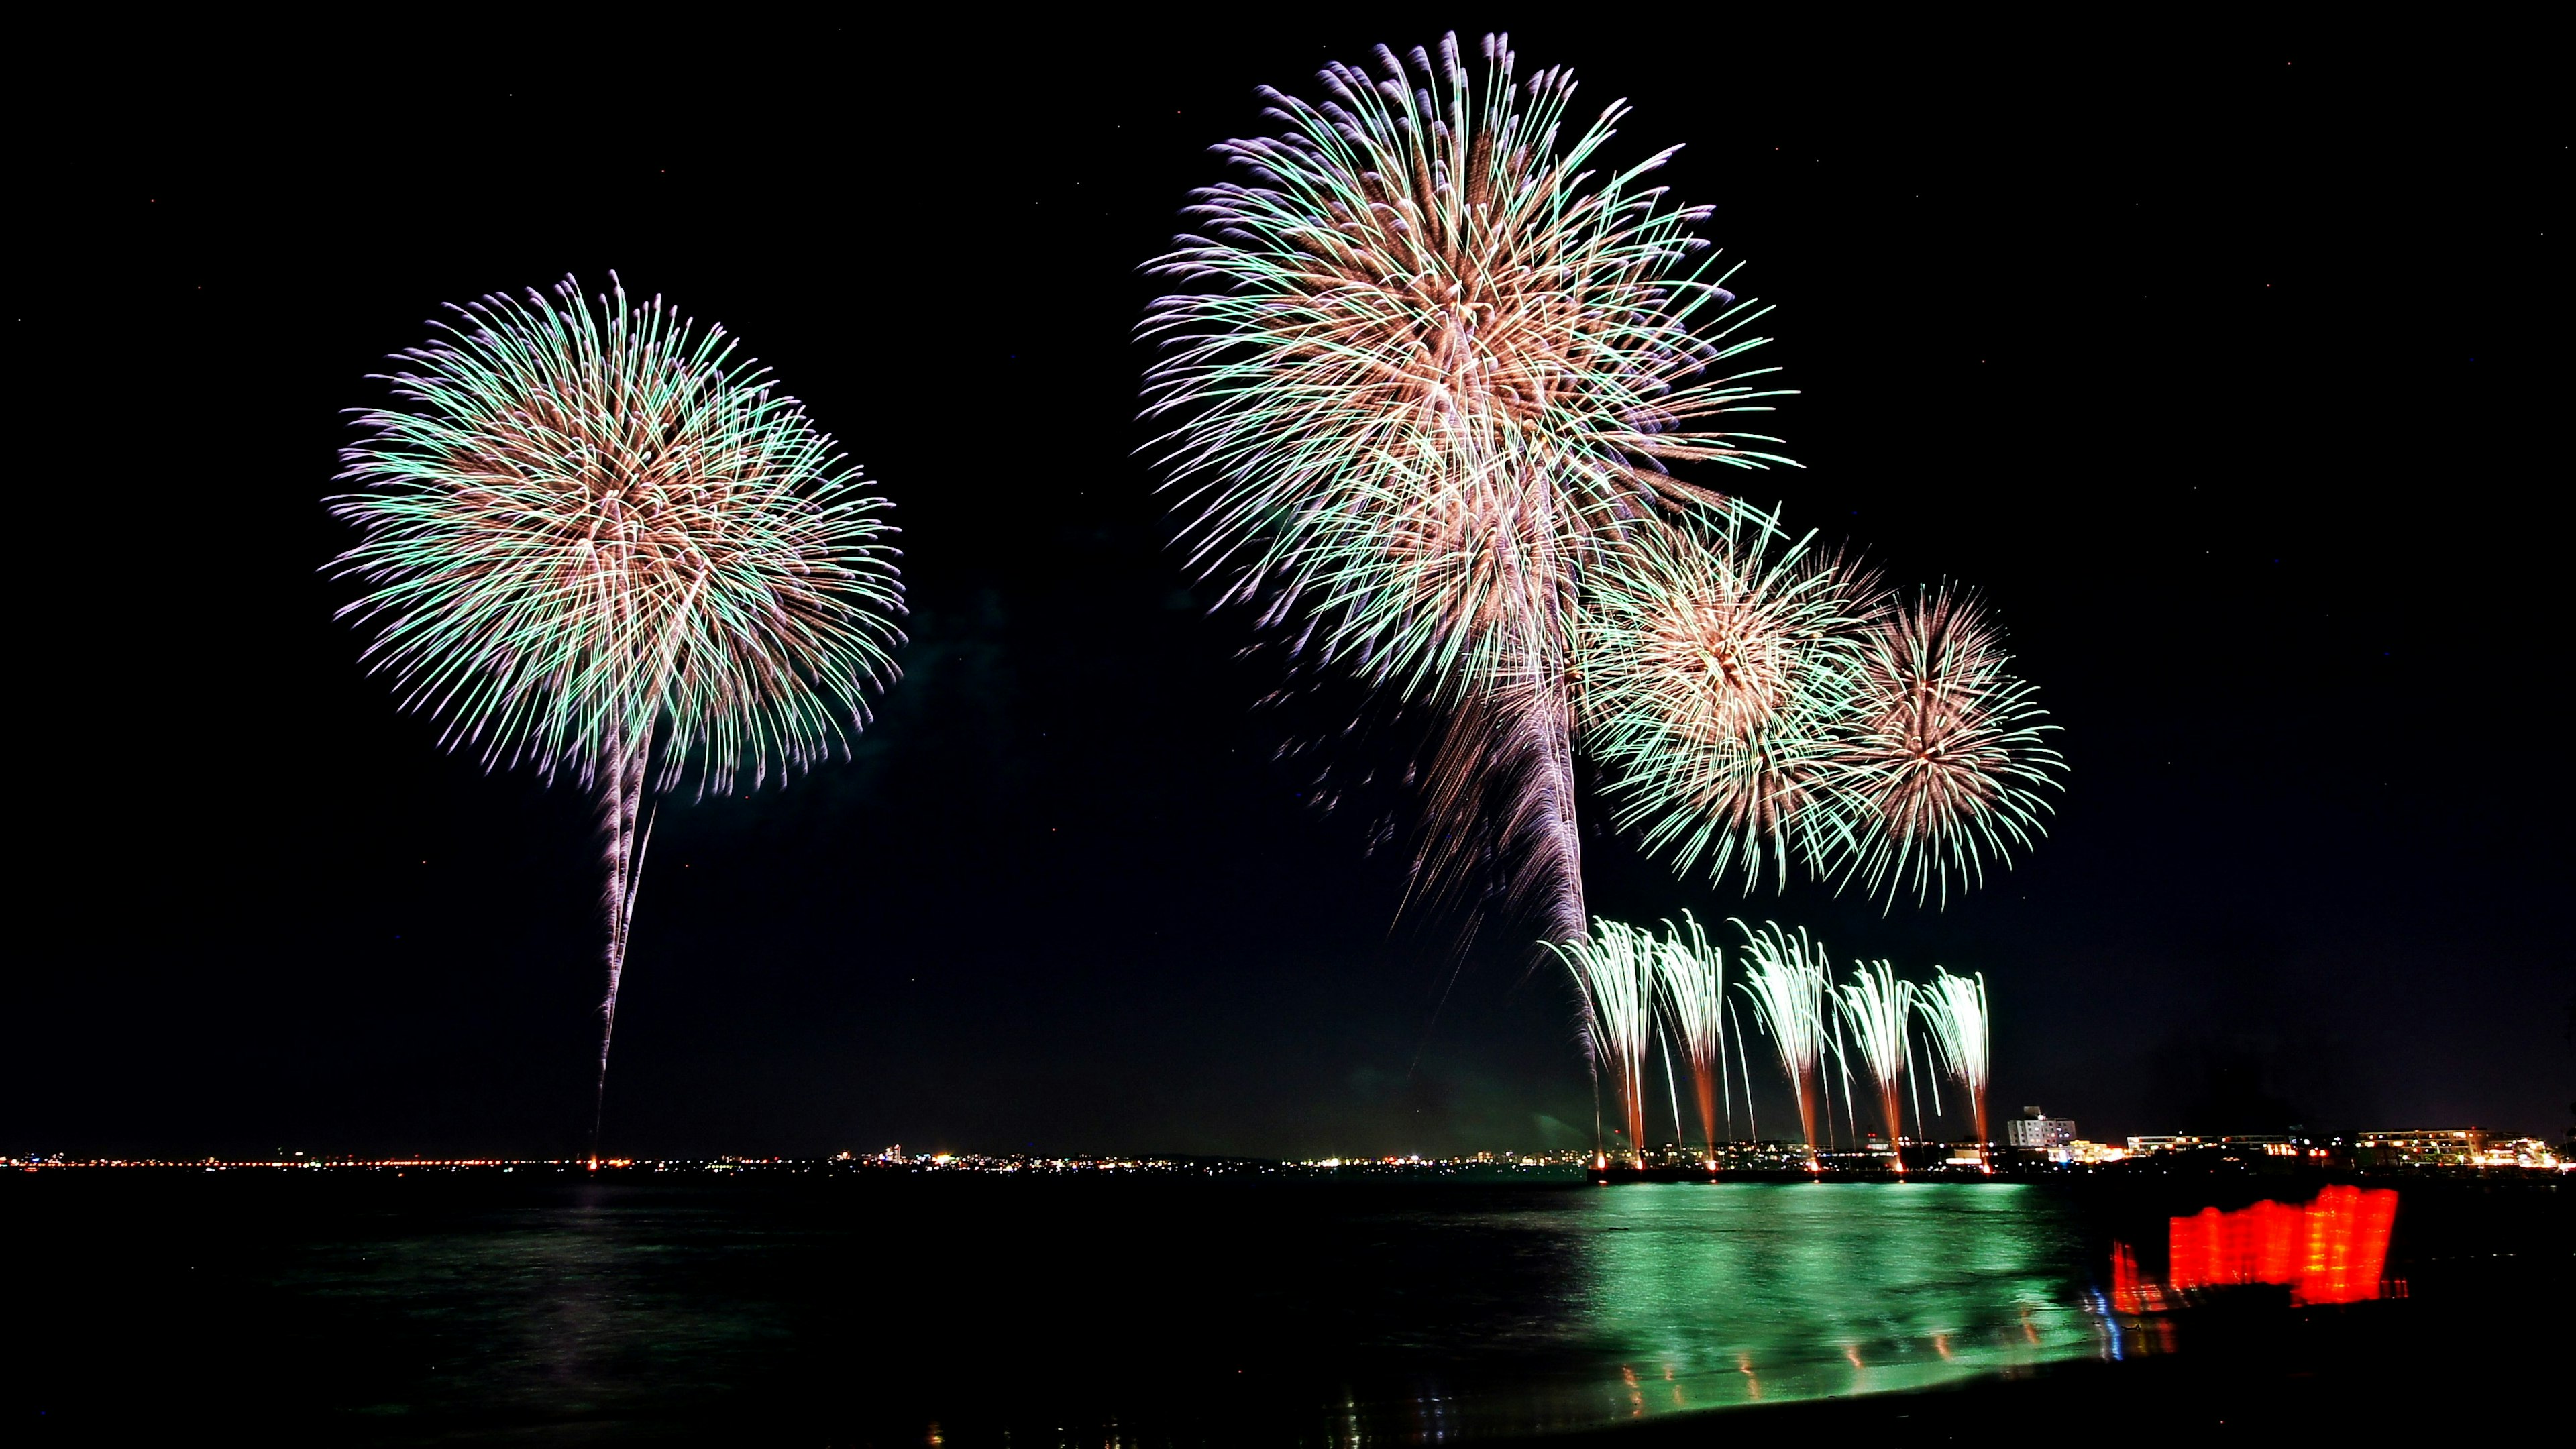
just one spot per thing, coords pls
(2329, 1251)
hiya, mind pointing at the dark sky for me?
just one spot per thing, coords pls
(2215, 359)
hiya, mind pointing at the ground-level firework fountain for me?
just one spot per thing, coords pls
(1784, 978)
(1870, 1012)
(1642, 997)
(1953, 1009)
(1613, 972)
(1690, 989)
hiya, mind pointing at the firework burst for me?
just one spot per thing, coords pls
(1614, 976)
(596, 541)
(1720, 662)
(1433, 362)
(1945, 767)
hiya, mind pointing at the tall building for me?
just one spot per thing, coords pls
(2035, 1128)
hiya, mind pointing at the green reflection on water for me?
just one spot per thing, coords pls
(1705, 1297)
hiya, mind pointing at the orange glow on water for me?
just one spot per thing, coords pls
(2130, 1291)
(2330, 1251)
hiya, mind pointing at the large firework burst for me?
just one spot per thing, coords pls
(597, 542)
(1431, 366)
(1720, 665)
(1945, 766)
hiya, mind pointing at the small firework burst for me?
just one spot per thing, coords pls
(1720, 662)
(1945, 767)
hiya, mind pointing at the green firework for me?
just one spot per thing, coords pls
(1721, 665)
(1432, 362)
(595, 541)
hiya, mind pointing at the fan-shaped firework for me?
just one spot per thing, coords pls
(1785, 979)
(1945, 768)
(1954, 1017)
(1613, 971)
(1434, 364)
(1720, 661)
(592, 536)
(1870, 1012)
(1690, 984)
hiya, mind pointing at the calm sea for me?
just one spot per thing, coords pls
(954, 1308)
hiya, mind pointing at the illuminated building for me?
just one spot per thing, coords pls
(2270, 1144)
(2521, 1152)
(2036, 1129)
(2241, 1144)
(2420, 1147)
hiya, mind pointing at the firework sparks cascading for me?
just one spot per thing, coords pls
(1435, 362)
(1690, 988)
(1953, 1009)
(1785, 979)
(1613, 971)
(1870, 1011)
(1424, 368)
(1721, 660)
(1946, 768)
(597, 542)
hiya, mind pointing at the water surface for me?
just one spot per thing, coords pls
(899, 1309)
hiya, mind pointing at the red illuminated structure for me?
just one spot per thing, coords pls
(2330, 1251)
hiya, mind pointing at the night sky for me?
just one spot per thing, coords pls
(2214, 360)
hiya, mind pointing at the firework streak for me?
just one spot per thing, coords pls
(596, 542)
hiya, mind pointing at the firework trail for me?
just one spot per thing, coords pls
(1870, 1011)
(597, 542)
(1613, 971)
(1784, 978)
(1946, 768)
(1690, 989)
(1953, 1009)
(1430, 368)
